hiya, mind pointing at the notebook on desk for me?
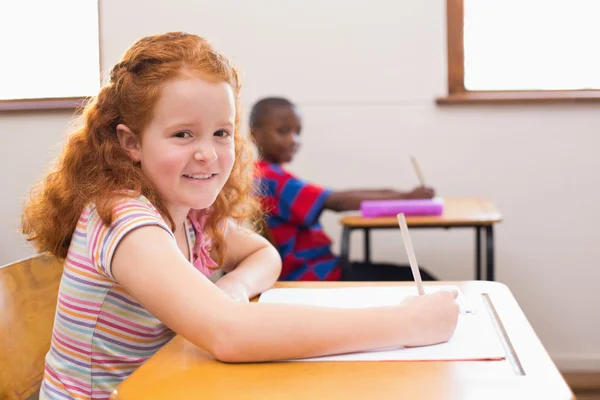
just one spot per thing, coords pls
(414, 207)
(475, 337)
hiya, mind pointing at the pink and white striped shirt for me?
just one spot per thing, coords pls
(101, 334)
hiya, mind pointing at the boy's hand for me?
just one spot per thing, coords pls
(421, 192)
(233, 289)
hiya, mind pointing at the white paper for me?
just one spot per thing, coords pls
(474, 339)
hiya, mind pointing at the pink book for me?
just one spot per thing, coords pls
(389, 208)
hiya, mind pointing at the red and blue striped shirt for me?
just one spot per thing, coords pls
(293, 207)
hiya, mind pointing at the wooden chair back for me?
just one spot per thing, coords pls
(28, 293)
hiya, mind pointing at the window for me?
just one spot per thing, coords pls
(522, 50)
(50, 53)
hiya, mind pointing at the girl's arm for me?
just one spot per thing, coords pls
(252, 264)
(151, 268)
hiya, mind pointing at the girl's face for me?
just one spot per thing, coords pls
(187, 149)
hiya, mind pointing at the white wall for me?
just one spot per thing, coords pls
(365, 74)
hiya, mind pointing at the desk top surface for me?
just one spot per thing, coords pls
(457, 212)
(182, 371)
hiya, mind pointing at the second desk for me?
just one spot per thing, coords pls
(477, 213)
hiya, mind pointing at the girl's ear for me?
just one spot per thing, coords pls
(130, 142)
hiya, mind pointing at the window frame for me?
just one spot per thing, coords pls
(58, 103)
(458, 94)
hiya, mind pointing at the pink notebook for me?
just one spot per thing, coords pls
(389, 208)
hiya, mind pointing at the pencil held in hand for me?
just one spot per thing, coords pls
(411, 253)
(420, 176)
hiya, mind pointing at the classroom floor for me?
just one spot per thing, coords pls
(587, 396)
(585, 386)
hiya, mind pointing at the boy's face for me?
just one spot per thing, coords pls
(278, 136)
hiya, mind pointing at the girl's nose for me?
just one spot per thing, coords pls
(206, 154)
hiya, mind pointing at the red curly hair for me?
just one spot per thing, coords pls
(94, 168)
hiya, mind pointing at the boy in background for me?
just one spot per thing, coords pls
(293, 206)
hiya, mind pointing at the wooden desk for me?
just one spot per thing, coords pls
(182, 371)
(479, 214)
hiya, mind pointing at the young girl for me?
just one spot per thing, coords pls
(146, 201)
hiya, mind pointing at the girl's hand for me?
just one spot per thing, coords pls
(433, 316)
(233, 289)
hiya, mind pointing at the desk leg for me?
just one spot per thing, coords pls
(478, 253)
(367, 245)
(345, 250)
(489, 230)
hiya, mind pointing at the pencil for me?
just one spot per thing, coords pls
(411, 253)
(415, 164)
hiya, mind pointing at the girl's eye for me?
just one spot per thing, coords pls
(222, 133)
(182, 134)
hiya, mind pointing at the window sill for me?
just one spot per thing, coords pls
(542, 96)
(42, 104)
